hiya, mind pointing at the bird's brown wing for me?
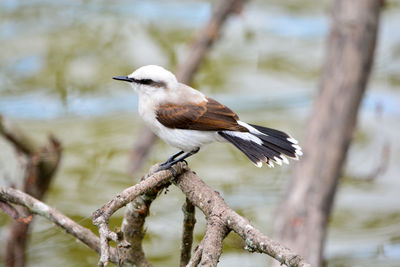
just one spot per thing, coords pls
(207, 116)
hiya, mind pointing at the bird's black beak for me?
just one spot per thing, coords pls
(123, 78)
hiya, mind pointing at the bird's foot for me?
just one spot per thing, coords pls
(173, 160)
(168, 166)
(173, 157)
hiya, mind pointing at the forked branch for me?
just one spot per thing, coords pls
(220, 220)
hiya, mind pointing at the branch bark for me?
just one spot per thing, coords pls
(214, 207)
(102, 215)
(133, 225)
(187, 69)
(303, 215)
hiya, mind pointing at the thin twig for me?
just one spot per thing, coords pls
(35, 206)
(189, 220)
(382, 165)
(10, 210)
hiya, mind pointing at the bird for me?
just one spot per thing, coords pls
(185, 118)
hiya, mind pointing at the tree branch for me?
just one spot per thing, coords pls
(213, 206)
(102, 215)
(20, 142)
(216, 231)
(189, 220)
(302, 217)
(196, 258)
(220, 219)
(133, 225)
(207, 38)
(10, 195)
(41, 165)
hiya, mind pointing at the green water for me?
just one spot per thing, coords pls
(56, 64)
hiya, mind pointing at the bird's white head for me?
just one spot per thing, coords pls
(150, 79)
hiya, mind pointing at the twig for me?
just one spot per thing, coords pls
(10, 210)
(189, 220)
(102, 215)
(382, 165)
(35, 206)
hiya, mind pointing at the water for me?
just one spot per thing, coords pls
(55, 76)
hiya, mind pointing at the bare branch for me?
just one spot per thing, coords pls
(102, 215)
(133, 225)
(20, 142)
(220, 220)
(41, 163)
(35, 206)
(206, 39)
(212, 245)
(189, 220)
(10, 210)
(196, 258)
(213, 206)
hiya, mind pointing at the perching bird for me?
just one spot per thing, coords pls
(187, 119)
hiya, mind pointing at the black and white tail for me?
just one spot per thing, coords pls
(262, 144)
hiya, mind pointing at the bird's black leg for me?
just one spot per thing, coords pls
(170, 159)
(168, 164)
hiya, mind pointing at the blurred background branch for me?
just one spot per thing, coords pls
(42, 163)
(302, 217)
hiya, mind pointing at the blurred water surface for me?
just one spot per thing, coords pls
(56, 65)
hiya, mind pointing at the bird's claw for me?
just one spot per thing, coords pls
(168, 166)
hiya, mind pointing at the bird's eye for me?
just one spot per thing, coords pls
(146, 81)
